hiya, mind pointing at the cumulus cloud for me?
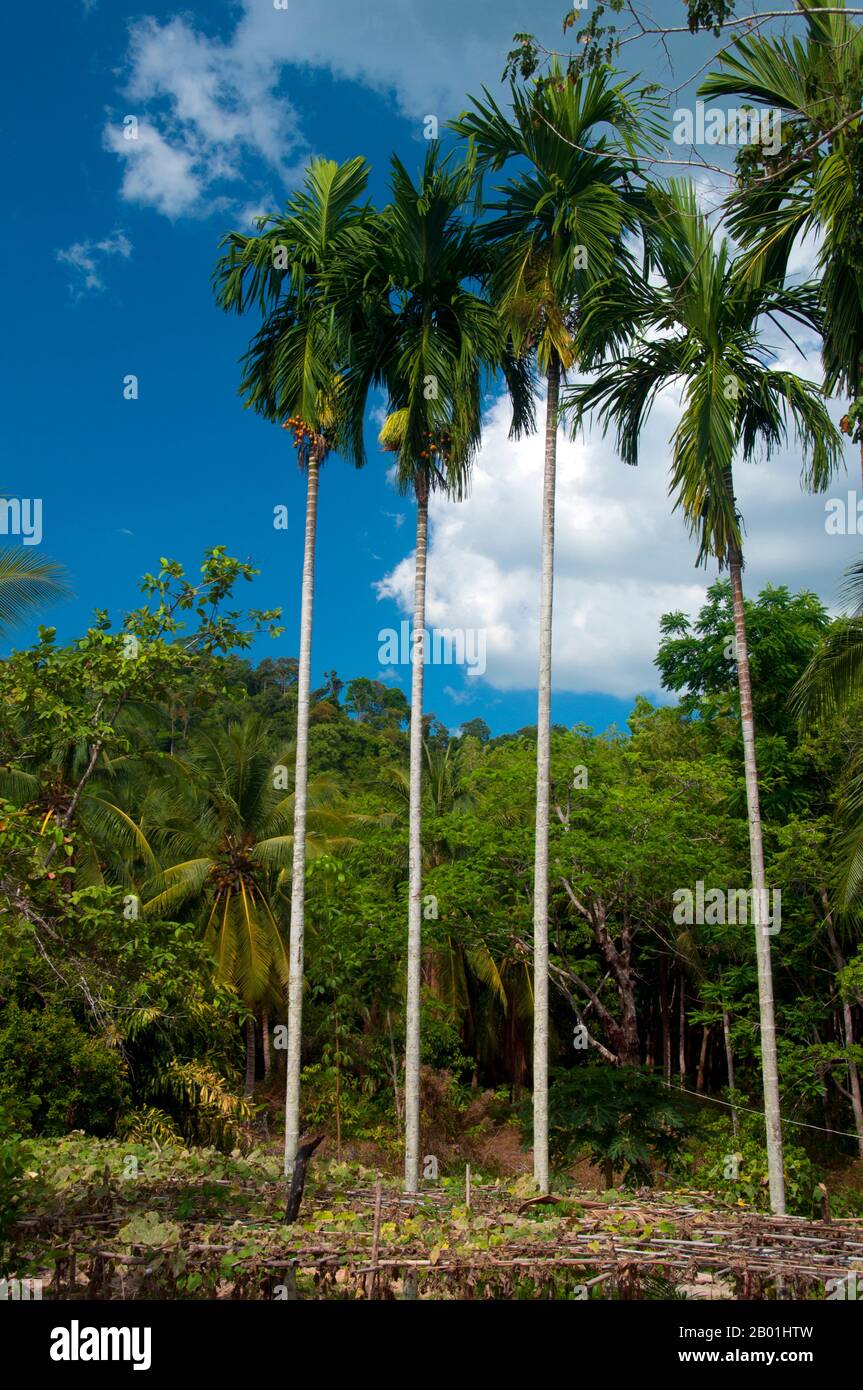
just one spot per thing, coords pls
(199, 107)
(157, 173)
(85, 259)
(206, 104)
(623, 558)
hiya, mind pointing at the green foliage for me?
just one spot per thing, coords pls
(68, 1080)
(441, 1045)
(700, 323)
(625, 1119)
(27, 583)
(14, 1156)
(737, 1169)
(812, 185)
(155, 1026)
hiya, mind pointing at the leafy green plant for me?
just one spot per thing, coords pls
(13, 1157)
(70, 1080)
(737, 1168)
(623, 1118)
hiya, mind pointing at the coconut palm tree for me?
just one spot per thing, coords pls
(220, 842)
(27, 583)
(699, 329)
(425, 336)
(291, 374)
(558, 224)
(811, 185)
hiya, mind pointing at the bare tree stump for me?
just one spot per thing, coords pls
(298, 1180)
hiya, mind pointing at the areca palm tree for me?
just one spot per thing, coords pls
(426, 337)
(220, 842)
(291, 374)
(812, 184)
(27, 583)
(557, 225)
(705, 318)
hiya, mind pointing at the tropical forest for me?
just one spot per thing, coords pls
(321, 980)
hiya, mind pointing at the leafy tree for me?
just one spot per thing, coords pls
(624, 1119)
(151, 1041)
(377, 704)
(221, 844)
(475, 728)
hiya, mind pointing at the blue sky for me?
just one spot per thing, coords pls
(109, 246)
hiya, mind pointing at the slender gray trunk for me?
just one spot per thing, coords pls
(702, 1058)
(250, 1058)
(543, 779)
(729, 1062)
(681, 1031)
(769, 1065)
(396, 1092)
(265, 1041)
(665, 1019)
(301, 773)
(415, 886)
(848, 1024)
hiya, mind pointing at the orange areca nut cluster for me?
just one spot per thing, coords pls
(303, 434)
(440, 445)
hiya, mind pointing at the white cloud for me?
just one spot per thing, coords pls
(459, 697)
(157, 173)
(206, 104)
(85, 259)
(426, 55)
(201, 106)
(622, 558)
(804, 254)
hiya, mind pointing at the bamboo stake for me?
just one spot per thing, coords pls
(376, 1237)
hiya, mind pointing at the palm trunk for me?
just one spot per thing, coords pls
(250, 1058)
(681, 1031)
(848, 1024)
(702, 1058)
(665, 1020)
(769, 1066)
(729, 1062)
(338, 1091)
(543, 778)
(414, 974)
(298, 881)
(265, 1042)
